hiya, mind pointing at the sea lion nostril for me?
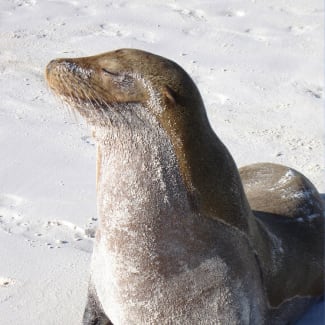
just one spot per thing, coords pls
(51, 65)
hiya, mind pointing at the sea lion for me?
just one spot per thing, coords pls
(177, 240)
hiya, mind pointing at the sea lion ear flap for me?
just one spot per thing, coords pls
(170, 95)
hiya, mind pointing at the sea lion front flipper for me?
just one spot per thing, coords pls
(94, 314)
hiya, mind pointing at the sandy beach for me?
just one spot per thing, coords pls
(258, 65)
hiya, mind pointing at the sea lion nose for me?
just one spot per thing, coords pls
(52, 62)
(62, 63)
(50, 66)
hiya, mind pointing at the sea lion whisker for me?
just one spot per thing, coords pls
(91, 108)
(96, 103)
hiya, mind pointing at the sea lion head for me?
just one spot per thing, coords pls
(101, 86)
(131, 96)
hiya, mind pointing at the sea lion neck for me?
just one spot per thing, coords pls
(206, 165)
(138, 168)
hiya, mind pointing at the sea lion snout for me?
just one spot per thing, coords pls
(50, 65)
(49, 68)
(68, 66)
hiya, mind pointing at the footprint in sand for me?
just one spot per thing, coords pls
(48, 233)
(10, 217)
(312, 90)
(301, 29)
(61, 233)
(198, 15)
(232, 13)
(88, 140)
(6, 282)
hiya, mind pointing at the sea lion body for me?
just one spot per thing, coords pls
(163, 262)
(291, 213)
(177, 241)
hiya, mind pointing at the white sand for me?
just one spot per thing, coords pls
(257, 63)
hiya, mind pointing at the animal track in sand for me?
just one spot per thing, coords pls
(298, 30)
(192, 14)
(115, 30)
(61, 233)
(24, 3)
(232, 13)
(186, 13)
(133, 32)
(281, 135)
(259, 34)
(315, 91)
(10, 217)
(88, 140)
(38, 232)
(6, 282)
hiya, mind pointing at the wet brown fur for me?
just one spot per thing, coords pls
(289, 214)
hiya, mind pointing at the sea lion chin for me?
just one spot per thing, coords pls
(177, 240)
